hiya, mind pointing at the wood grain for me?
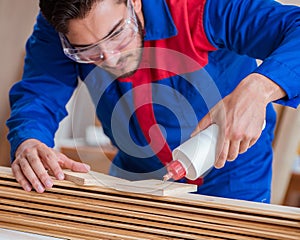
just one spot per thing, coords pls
(92, 179)
(152, 186)
(72, 211)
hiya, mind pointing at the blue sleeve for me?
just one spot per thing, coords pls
(38, 100)
(262, 29)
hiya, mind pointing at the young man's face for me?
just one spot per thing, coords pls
(115, 33)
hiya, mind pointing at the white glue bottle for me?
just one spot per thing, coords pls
(195, 156)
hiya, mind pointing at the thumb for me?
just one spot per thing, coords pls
(203, 124)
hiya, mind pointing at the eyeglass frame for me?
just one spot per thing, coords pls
(72, 53)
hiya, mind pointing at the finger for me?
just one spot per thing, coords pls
(50, 159)
(244, 145)
(30, 175)
(68, 163)
(222, 155)
(233, 150)
(252, 142)
(45, 165)
(203, 124)
(39, 170)
(19, 176)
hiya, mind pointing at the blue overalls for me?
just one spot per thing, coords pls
(196, 53)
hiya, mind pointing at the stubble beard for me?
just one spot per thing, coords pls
(132, 56)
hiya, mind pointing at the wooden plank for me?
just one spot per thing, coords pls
(220, 229)
(142, 212)
(6, 172)
(193, 199)
(152, 221)
(152, 187)
(134, 211)
(196, 216)
(85, 231)
(256, 208)
(155, 187)
(183, 206)
(176, 216)
(134, 225)
(92, 179)
(124, 202)
(173, 223)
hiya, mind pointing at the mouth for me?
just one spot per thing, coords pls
(126, 66)
(121, 64)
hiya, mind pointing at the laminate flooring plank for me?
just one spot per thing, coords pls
(140, 208)
(93, 212)
(97, 231)
(179, 205)
(248, 207)
(93, 179)
(131, 224)
(186, 207)
(226, 227)
(6, 172)
(155, 187)
(185, 201)
(92, 232)
(207, 229)
(151, 186)
(199, 200)
(93, 205)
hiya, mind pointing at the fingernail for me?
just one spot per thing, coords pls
(219, 164)
(87, 167)
(48, 184)
(60, 176)
(27, 188)
(40, 189)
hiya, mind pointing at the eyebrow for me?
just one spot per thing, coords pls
(107, 35)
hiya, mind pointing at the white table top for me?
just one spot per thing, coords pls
(6, 234)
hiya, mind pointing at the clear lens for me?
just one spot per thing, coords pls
(117, 41)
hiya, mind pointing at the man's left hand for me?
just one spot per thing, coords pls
(240, 116)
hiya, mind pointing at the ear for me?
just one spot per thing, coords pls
(137, 5)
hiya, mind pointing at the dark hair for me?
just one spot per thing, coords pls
(59, 12)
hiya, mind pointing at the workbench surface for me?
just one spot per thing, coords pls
(6, 234)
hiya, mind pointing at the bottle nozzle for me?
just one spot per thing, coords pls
(175, 171)
(168, 176)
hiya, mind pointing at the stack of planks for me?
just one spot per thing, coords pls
(71, 211)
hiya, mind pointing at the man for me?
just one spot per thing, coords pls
(159, 72)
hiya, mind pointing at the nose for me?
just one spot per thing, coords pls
(111, 58)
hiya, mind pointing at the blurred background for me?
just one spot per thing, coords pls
(80, 134)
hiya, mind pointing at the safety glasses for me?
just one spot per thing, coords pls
(112, 44)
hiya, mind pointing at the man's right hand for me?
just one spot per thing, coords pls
(33, 159)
